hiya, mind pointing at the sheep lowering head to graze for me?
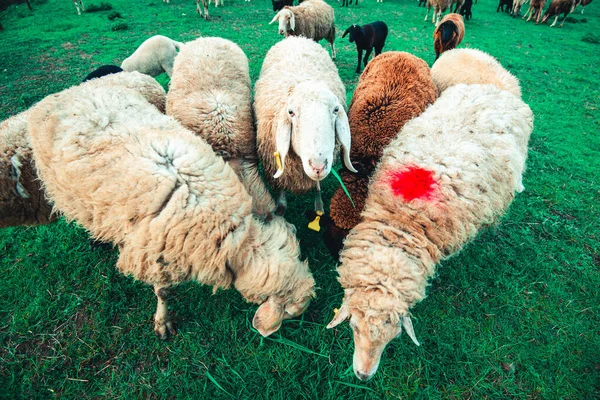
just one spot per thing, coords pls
(136, 178)
(367, 37)
(448, 34)
(102, 71)
(449, 172)
(300, 104)
(556, 8)
(153, 57)
(210, 94)
(313, 19)
(472, 66)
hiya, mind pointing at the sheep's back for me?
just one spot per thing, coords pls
(314, 20)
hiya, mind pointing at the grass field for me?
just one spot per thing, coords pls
(514, 315)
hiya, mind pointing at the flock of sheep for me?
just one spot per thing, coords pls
(172, 179)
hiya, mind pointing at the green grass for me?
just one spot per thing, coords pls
(514, 315)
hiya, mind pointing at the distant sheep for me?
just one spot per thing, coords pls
(439, 7)
(367, 37)
(556, 8)
(505, 6)
(279, 4)
(583, 3)
(472, 66)
(449, 173)
(448, 34)
(300, 116)
(313, 19)
(135, 177)
(465, 10)
(459, 5)
(516, 8)
(535, 10)
(153, 57)
(210, 94)
(102, 71)
(78, 5)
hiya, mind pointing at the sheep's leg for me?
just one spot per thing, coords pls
(554, 23)
(366, 60)
(563, 20)
(539, 14)
(281, 204)
(205, 5)
(82, 6)
(529, 12)
(427, 13)
(359, 60)
(163, 328)
(332, 49)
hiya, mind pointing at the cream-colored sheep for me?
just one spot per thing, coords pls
(300, 104)
(313, 19)
(135, 177)
(449, 172)
(439, 6)
(210, 94)
(22, 202)
(153, 57)
(471, 66)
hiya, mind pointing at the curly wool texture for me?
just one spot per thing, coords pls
(471, 66)
(22, 202)
(153, 57)
(314, 20)
(180, 214)
(288, 63)
(210, 95)
(444, 37)
(476, 158)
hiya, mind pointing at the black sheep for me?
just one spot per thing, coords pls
(346, 2)
(367, 37)
(465, 11)
(279, 4)
(505, 5)
(102, 71)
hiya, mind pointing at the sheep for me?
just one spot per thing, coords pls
(102, 71)
(516, 8)
(583, 3)
(459, 5)
(535, 10)
(367, 37)
(346, 3)
(448, 34)
(77, 3)
(472, 66)
(394, 88)
(450, 172)
(465, 10)
(313, 19)
(136, 178)
(505, 6)
(153, 57)
(22, 202)
(300, 104)
(210, 94)
(556, 8)
(279, 4)
(439, 6)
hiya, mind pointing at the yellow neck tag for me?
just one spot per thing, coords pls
(314, 225)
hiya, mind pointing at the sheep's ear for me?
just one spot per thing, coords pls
(408, 327)
(292, 22)
(342, 314)
(342, 131)
(347, 31)
(283, 138)
(268, 317)
(275, 18)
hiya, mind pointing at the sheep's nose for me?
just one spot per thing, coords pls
(363, 377)
(317, 167)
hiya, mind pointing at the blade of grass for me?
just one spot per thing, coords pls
(352, 385)
(343, 186)
(288, 342)
(210, 377)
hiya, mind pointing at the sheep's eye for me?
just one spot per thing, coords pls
(336, 109)
(291, 113)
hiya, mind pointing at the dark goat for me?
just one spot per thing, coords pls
(279, 4)
(367, 37)
(505, 5)
(465, 11)
(345, 3)
(102, 71)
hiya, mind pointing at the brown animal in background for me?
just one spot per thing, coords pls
(448, 34)
(583, 4)
(535, 10)
(558, 7)
(439, 6)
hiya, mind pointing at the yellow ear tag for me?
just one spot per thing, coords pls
(336, 311)
(278, 160)
(314, 225)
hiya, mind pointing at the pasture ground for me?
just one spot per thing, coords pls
(514, 315)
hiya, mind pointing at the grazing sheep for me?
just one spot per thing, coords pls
(22, 202)
(516, 8)
(345, 3)
(505, 6)
(535, 10)
(439, 7)
(313, 19)
(448, 34)
(450, 172)
(77, 3)
(210, 94)
(102, 71)
(583, 3)
(367, 37)
(135, 177)
(465, 10)
(279, 4)
(300, 104)
(556, 8)
(394, 88)
(472, 66)
(153, 57)
(204, 11)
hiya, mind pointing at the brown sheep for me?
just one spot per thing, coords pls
(394, 88)
(535, 10)
(448, 34)
(558, 7)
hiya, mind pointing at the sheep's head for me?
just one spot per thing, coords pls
(287, 21)
(310, 121)
(373, 328)
(356, 32)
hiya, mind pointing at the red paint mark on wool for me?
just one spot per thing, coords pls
(412, 183)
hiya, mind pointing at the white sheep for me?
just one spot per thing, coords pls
(210, 94)
(135, 177)
(300, 105)
(449, 172)
(22, 202)
(313, 19)
(472, 66)
(153, 57)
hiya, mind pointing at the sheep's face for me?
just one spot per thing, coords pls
(287, 21)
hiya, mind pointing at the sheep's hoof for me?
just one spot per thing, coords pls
(164, 329)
